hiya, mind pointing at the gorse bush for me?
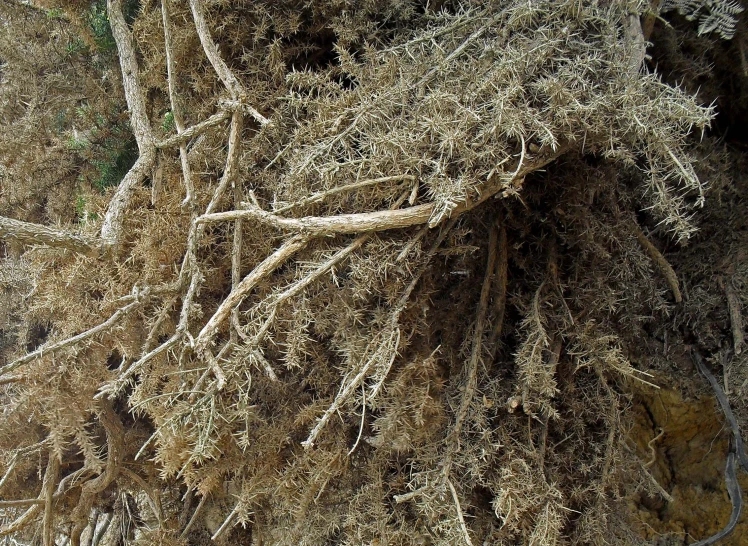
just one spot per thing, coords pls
(373, 287)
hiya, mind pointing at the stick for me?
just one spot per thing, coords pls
(660, 261)
(725, 404)
(175, 109)
(115, 446)
(48, 490)
(736, 319)
(211, 51)
(265, 268)
(111, 229)
(392, 336)
(379, 220)
(471, 381)
(187, 134)
(71, 340)
(193, 519)
(340, 189)
(463, 526)
(501, 274)
(28, 233)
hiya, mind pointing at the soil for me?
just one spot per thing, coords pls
(680, 434)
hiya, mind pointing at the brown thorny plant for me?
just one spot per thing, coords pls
(372, 288)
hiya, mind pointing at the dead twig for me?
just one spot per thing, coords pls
(219, 65)
(72, 340)
(736, 319)
(660, 261)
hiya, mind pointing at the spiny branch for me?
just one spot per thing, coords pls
(28, 233)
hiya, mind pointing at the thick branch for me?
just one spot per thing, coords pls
(27, 233)
(380, 220)
(111, 229)
(139, 123)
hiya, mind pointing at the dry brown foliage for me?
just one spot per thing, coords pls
(368, 281)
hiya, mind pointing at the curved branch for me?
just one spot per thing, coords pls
(219, 65)
(111, 229)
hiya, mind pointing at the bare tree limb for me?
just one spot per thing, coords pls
(48, 490)
(219, 65)
(317, 197)
(662, 264)
(90, 489)
(265, 268)
(380, 220)
(190, 132)
(111, 229)
(176, 109)
(28, 233)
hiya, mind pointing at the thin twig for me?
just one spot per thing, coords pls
(315, 198)
(463, 526)
(72, 340)
(48, 490)
(471, 381)
(193, 519)
(659, 260)
(501, 279)
(176, 111)
(736, 319)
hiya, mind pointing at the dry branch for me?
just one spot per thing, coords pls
(111, 229)
(48, 490)
(384, 342)
(28, 233)
(380, 220)
(72, 340)
(265, 268)
(219, 65)
(736, 318)
(662, 264)
(501, 274)
(175, 106)
(189, 133)
(115, 447)
(317, 197)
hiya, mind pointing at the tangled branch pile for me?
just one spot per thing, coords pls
(367, 280)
